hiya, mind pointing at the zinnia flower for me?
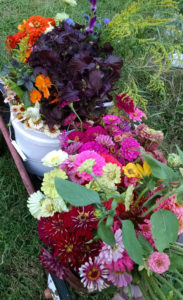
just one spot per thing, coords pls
(137, 115)
(104, 140)
(119, 278)
(48, 184)
(131, 171)
(93, 275)
(54, 158)
(70, 2)
(34, 204)
(111, 120)
(125, 102)
(99, 162)
(52, 133)
(158, 262)
(111, 175)
(50, 263)
(129, 149)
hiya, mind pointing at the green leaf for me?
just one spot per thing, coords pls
(106, 234)
(164, 226)
(109, 221)
(159, 170)
(15, 88)
(147, 248)
(26, 98)
(76, 194)
(131, 243)
(176, 262)
(180, 152)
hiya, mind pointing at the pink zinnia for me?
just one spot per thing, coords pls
(130, 181)
(137, 115)
(125, 102)
(114, 130)
(76, 177)
(93, 275)
(158, 262)
(129, 149)
(68, 120)
(125, 263)
(105, 140)
(119, 278)
(111, 120)
(93, 146)
(76, 135)
(92, 133)
(109, 254)
(97, 168)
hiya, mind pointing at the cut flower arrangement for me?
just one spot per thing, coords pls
(58, 68)
(111, 211)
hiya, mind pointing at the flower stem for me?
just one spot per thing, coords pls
(139, 197)
(164, 281)
(73, 110)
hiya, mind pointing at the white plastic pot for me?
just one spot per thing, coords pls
(35, 145)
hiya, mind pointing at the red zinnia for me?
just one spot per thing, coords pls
(81, 219)
(125, 102)
(50, 229)
(111, 159)
(13, 40)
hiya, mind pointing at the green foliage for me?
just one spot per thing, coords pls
(164, 226)
(20, 54)
(76, 194)
(106, 234)
(146, 34)
(131, 243)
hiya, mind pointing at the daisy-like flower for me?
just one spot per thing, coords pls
(131, 171)
(105, 140)
(158, 262)
(48, 184)
(50, 263)
(43, 83)
(47, 208)
(109, 254)
(129, 149)
(54, 158)
(34, 204)
(111, 175)
(137, 115)
(93, 275)
(53, 133)
(111, 120)
(16, 109)
(98, 163)
(37, 125)
(33, 112)
(144, 170)
(119, 278)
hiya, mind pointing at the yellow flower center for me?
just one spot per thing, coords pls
(94, 274)
(69, 248)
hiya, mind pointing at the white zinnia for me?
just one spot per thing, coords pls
(33, 112)
(54, 158)
(60, 17)
(35, 124)
(34, 204)
(70, 2)
(47, 208)
(59, 205)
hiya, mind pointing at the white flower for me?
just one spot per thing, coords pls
(70, 2)
(54, 158)
(34, 204)
(33, 112)
(54, 133)
(50, 28)
(35, 124)
(59, 205)
(60, 17)
(47, 208)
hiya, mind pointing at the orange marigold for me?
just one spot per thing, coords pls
(35, 96)
(43, 83)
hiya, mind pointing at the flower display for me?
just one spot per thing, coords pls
(63, 67)
(111, 212)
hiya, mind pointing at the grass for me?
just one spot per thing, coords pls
(21, 276)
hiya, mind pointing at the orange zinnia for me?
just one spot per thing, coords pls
(43, 83)
(35, 96)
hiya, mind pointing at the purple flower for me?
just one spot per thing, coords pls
(91, 25)
(125, 126)
(50, 263)
(93, 4)
(63, 140)
(129, 149)
(86, 16)
(106, 21)
(105, 140)
(70, 21)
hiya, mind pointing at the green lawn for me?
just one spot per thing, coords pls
(21, 277)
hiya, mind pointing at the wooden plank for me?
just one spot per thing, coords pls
(20, 166)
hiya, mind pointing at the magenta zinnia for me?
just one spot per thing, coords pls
(129, 149)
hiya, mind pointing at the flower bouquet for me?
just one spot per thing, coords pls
(58, 69)
(111, 211)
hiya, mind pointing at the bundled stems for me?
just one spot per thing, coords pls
(164, 281)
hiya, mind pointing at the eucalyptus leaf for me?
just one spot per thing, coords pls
(164, 227)
(131, 243)
(159, 170)
(76, 194)
(106, 234)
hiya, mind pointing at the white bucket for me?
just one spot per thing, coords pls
(35, 145)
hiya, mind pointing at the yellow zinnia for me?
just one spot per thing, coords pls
(130, 170)
(144, 170)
